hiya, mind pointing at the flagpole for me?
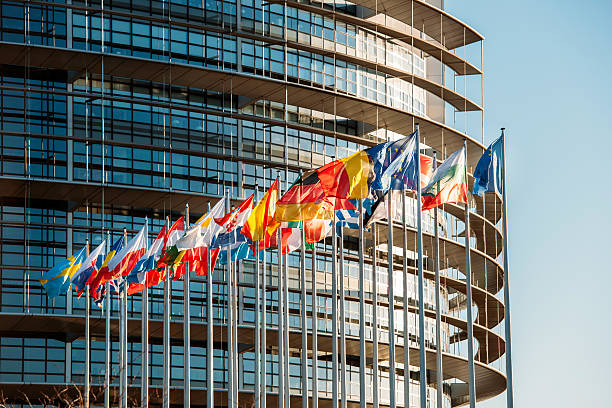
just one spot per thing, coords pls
(107, 339)
(257, 318)
(304, 355)
(264, 317)
(230, 318)
(406, 321)
(334, 314)
(210, 384)
(509, 390)
(286, 329)
(468, 281)
(144, 395)
(187, 327)
(124, 351)
(315, 322)
(362, 315)
(342, 326)
(281, 366)
(439, 375)
(87, 339)
(422, 361)
(166, 336)
(374, 288)
(391, 297)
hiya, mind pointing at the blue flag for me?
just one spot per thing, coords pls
(488, 173)
(395, 166)
(56, 281)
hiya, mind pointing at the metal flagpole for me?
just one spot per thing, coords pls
(391, 297)
(264, 317)
(281, 366)
(257, 318)
(342, 325)
(87, 340)
(422, 362)
(439, 376)
(334, 298)
(468, 281)
(304, 355)
(210, 351)
(144, 394)
(124, 351)
(286, 329)
(166, 335)
(230, 319)
(315, 322)
(406, 323)
(362, 315)
(375, 371)
(509, 390)
(186, 327)
(107, 338)
(236, 273)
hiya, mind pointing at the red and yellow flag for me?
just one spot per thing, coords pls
(262, 215)
(346, 178)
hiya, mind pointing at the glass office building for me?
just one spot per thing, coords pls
(117, 110)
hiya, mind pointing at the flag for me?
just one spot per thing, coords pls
(306, 199)
(169, 250)
(348, 177)
(262, 215)
(394, 164)
(347, 218)
(238, 252)
(145, 272)
(125, 260)
(317, 230)
(232, 223)
(426, 170)
(95, 280)
(87, 268)
(488, 173)
(56, 281)
(448, 183)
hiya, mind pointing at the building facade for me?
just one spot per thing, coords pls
(113, 111)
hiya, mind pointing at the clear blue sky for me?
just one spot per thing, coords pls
(547, 80)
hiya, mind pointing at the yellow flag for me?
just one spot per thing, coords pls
(262, 216)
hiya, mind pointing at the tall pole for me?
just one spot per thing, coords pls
(264, 326)
(422, 362)
(468, 282)
(509, 390)
(334, 298)
(230, 319)
(439, 375)
(406, 315)
(124, 349)
(257, 319)
(210, 351)
(362, 315)
(315, 322)
(391, 296)
(107, 338)
(186, 327)
(286, 331)
(144, 391)
(281, 321)
(342, 326)
(304, 355)
(166, 336)
(87, 340)
(375, 370)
